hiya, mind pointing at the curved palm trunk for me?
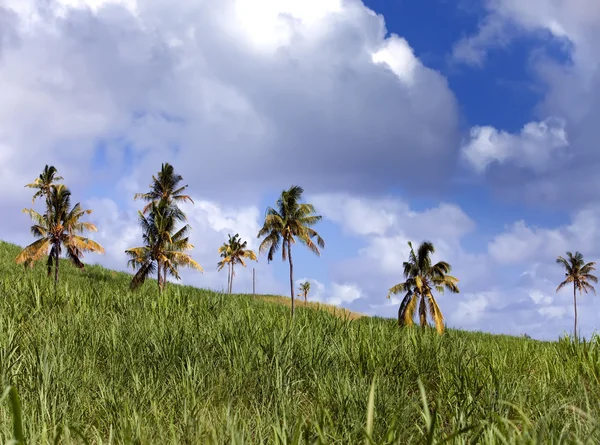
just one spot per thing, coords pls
(291, 274)
(575, 306)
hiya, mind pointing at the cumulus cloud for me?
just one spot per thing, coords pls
(539, 146)
(130, 83)
(333, 293)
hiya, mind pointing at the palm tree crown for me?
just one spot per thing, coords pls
(579, 273)
(233, 252)
(44, 182)
(304, 289)
(422, 277)
(288, 222)
(59, 227)
(164, 249)
(165, 186)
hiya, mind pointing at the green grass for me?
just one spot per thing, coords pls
(197, 367)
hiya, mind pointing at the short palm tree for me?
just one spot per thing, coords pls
(421, 278)
(304, 290)
(164, 249)
(579, 273)
(233, 252)
(59, 227)
(288, 222)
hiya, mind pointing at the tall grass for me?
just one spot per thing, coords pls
(100, 363)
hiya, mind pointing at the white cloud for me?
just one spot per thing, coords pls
(538, 147)
(522, 243)
(333, 293)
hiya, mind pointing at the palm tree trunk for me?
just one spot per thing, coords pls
(305, 297)
(231, 281)
(575, 306)
(158, 277)
(291, 274)
(56, 257)
(228, 276)
(164, 275)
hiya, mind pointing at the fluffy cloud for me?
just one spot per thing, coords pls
(114, 87)
(540, 146)
(563, 62)
(334, 293)
(523, 244)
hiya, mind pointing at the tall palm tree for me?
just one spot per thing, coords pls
(578, 272)
(166, 187)
(288, 222)
(44, 182)
(421, 278)
(233, 252)
(304, 290)
(164, 249)
(59, 227)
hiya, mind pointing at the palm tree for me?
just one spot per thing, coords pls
(578, 272)
(304, 290)
(59, 227)
(166, 187)
(422, 277)
(164, 249)
(288, 222)
(233, 252)
(44, 182)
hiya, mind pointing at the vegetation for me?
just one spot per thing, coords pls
(421, 278)
(290, 221)
(233, 252)
(59, 227)
(95, 362)
(165, 247)
(579, 273)
(304, 290)
(193, 366)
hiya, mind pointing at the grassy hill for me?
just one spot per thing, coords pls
(194, 367)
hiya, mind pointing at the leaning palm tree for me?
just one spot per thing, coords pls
(59, 227)
(233, 252)
(288, 222)
(422, 277)
(578, 272)
(164, 249)
(304, 290)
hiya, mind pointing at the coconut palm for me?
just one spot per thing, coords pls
(166, 187)
(288, 222)
(422, 277)
(233, 252)
(164, 249)
(59, 227)
(44, 182)
(579, 273)
(304, 290)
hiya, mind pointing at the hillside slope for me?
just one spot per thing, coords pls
(193, 366)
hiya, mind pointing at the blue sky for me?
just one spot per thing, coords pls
(470, 124)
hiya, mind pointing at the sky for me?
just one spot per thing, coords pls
(471, 124)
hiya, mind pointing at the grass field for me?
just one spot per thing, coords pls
(194, 367)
